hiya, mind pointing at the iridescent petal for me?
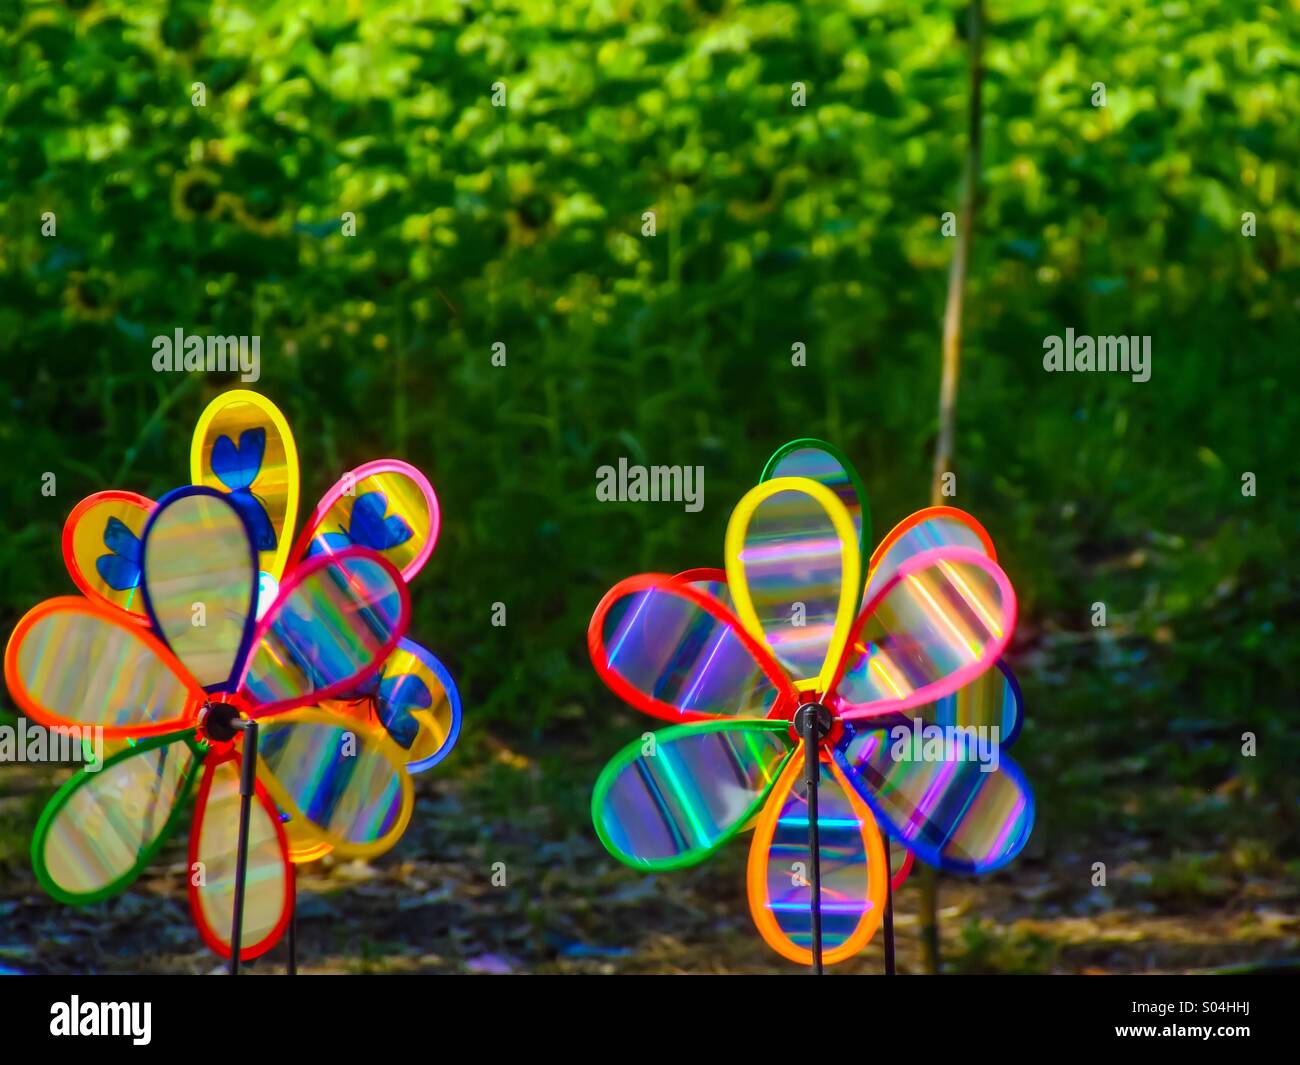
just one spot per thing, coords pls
(674, 652)
(342, 779)
(417, 702)
(673, 799)
(243, 447)
(793, 567)
(268, 883)
(958, 812)
(387, 506)
(101, 547)
(200, 582)
(336, 619)
(104, 826)
(853, 879)
(826, 464)
(935, 626)
(72, 661)
(923, 531)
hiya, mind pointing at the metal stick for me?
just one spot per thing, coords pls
(247, 789)
(293, 920)
(889, 913)
(812, 776)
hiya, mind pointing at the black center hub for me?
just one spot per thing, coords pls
(816, 716)
(218, 721)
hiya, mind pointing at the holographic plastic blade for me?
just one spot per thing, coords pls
(268, 884)
(387, 506)
(243, 447)
(674, 652)
(72, 661)
(933, 795)
(305, 843)
(826, 464)
(709, 581)
(935, 626)
(923, 531)
(417, 703)
(104, 826)
(672, 799)
(200, 582)
(991, 700)
(853, 880)
(344, 780)
(101, 548)
(337, 618)
(793, 567)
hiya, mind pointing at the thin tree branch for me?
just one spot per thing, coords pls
(952, 314)
(928, 916)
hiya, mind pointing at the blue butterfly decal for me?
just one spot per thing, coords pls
(367, 527)
(237, 468)
(396, 697)
(120, 569)
(393, 699)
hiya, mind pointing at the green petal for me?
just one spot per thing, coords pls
(105, 825)
(828, 465)
(671, 800)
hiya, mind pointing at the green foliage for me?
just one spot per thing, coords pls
(775, 224)
(984, 947)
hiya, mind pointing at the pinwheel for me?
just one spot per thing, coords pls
(189, 628)
(243, 447)
(787, 651)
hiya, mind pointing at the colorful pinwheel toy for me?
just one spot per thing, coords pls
(196, 615)
(732, 656)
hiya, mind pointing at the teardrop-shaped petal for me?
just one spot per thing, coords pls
(779, 878)
(387, 506)
(923, 531)
(72, 661)
(305, 843)
(826, 464)
(343, 780)
(991, 700)
(674, 652)
(336, 619)
(268, 883)
(101, 548)
(711, 581)
(793, 567)
(104, 826)
(418, 704)
(940, 621)
(200, 582)
(243, 447)
(674, 800)
(962, 808)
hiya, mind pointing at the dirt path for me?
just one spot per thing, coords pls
(432, 904)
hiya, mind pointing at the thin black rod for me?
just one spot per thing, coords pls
(293, 920)
(247, 789)
(812, 776)
(889, 913)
